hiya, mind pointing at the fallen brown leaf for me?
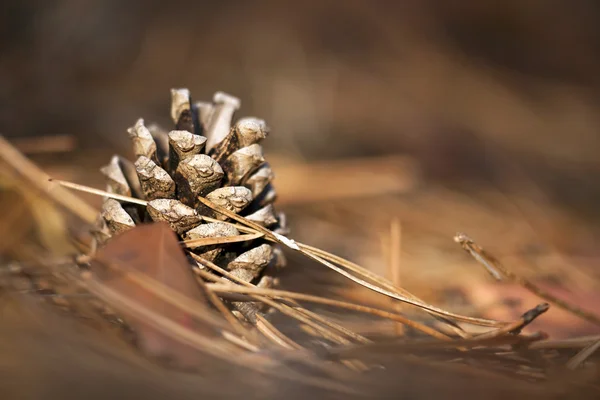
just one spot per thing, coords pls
(153, 251)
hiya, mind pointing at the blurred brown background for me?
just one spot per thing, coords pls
(486, 109)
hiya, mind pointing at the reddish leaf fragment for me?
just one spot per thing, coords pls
(154, 251)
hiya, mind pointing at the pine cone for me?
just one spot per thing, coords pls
(203, 156)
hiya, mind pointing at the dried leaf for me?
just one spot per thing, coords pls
(153, 250)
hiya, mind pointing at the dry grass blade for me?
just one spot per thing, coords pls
(284, 309)
(220, 240)
(385, 283)
(38, 178)
(388, 289)
(583, 355)
(205, 344)
(273, 334)
(300, 354)
(228, 288)
(323, 258)
(344, 331)
(257, 228)
(98, 192)
(218, 303)
(171, 325)
(497, 270)
(241, 342)
(267, 329)
(323, 331)
(279, 338)
(264, 326)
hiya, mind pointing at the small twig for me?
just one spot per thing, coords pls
(209, 241)
(497, 270)
(516, 327)
(98, 192)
